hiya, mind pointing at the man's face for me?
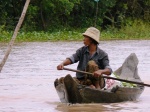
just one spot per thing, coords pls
(87, 41)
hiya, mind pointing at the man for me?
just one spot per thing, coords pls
(91, 59)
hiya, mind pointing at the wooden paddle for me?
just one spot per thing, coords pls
(123, 80)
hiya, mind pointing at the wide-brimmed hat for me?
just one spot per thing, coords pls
(93, 33)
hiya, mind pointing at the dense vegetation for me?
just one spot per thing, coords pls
(66, 19)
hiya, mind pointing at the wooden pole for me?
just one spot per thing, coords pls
(15, 34)
(96, 13)
(123, 80)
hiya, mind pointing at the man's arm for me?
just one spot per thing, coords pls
(64, 63)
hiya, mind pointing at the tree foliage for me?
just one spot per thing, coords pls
(55, 14)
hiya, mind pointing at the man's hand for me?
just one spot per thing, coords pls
(105, 71)
(64, 63)
(60, 67)
(98, 73)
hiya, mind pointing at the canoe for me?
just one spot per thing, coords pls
(70, 91)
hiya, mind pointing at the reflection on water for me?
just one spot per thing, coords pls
(135, 106)
(26, 81)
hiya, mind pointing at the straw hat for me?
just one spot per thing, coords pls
(93, 33)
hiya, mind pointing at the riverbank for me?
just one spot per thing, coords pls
(136, 31)
(71, 36)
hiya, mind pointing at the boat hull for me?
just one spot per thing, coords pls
(76, 93)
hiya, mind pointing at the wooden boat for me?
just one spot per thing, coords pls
(69, 91)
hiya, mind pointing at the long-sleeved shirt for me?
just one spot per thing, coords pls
(83, 56)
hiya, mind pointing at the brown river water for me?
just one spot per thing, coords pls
(26, 81)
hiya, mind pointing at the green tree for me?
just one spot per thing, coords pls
(57, 14)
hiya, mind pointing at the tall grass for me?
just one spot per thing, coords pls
(49, 36)
(136, 29)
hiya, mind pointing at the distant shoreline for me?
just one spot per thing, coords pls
(40, 36)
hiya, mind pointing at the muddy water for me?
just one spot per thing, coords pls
(26, 81)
